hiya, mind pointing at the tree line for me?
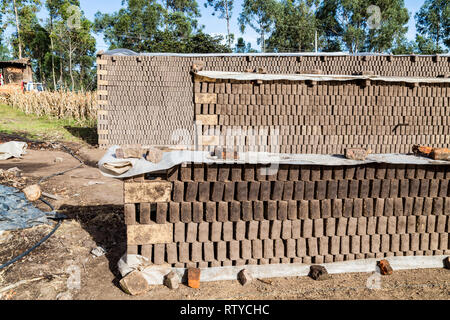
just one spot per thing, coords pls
(62, 46)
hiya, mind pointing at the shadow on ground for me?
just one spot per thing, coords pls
(87, 134)
(106, 226)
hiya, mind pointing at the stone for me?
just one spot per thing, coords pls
(385, 267)
(447, 263)
(440, 154)
(245, 277)
(33, 192)
(317, 272)
(357, 153)
(172, 280)
(134, 284)
(193, 278)
(98, 252)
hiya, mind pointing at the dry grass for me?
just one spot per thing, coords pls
(58, 104)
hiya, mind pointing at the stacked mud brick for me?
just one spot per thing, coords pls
(148, 99)
(221, 215)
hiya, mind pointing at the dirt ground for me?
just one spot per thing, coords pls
(93, 204)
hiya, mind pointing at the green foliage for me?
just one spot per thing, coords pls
(360, 27)
(433, 24)
(260, 16)
(295, 27)
(242, 47)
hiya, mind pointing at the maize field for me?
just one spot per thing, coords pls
(56, 104)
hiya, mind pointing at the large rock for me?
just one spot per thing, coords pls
(33, 192)
(172, 280)
(134, 283)
(385, 267)
(245, 277)
(317, 272)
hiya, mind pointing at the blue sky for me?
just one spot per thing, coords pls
(212, 23)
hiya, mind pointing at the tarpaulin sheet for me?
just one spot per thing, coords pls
(16, 212)
(170, 159)
(12, 149)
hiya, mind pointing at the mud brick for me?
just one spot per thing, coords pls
(362, 226)
(441, 224)
(355, 242)
(381, 205)
(438, 206)
(394, 190)
(323, 246)
(309, 190)
(264, 228)
(338, 173)
(247, 210)
(186, 212)
(234, 251)
(216, 231)
(192, 232)
(318, 228)
(431, 224)
(421, 224)
(418, 206)
(183, 252)
(414, 242)
(349, 172)
(330, 227)
(161, 212)
(253, 193)
(391, 225)
(203, 232)
(258, 210)
(211, 172)
(265, 191)
(235, 211)
(443, 188)
(398, 207)
(292, 210)
(335, 243)
(210, 212)
(343, 189)
(404, 242)
(325, 207)
(424, 241)
(321, 190)
(283, 171)
(404, 188)
(303, 209)
(291, 248)
(246, 249)
(223, 173)
(268, 249)
(208, 251)
(236, 172)
(395, 243)
(367, 209)
(144, 213)
(174, 212)
(179, 232)
(203, 191)
(375, 243)
(227, 231)
(159, 253)
(228, 194)
(178, 191)
(199, 172)
(315, 173)
(385, 188)
(271, 210)
(252, 230)
(434, 188)
(282, 212)
(414, 186)
(314, 209)
(353, 189)
(257, 249)
(345, 245)
(385, 242)
(222, 212)
(288, 190)
(352, 226)
(217, 191)
(364, 189)
(365, 244)
(277, 190)
(411, 224)
(275, 229)
(191, 191)
(376, 189)
(240, 230)
(424, 188)
(332, 189)
(382, 225)
(301, 248)
(341, 226)
(307, 228)
(294, 173)
(249, 172)
(279, 248)
(299, 190)
(242, 191)
(296, 229)
(130, 213)
(186, 173)
(348, 208)
(312, 249)
(443, 241)
(434, 241)
(336, 208)
(447, 206)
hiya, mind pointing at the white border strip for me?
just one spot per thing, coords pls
(155, 275)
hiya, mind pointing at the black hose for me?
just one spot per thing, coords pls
(59, 218)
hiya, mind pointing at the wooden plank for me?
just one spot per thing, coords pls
(149, 234)
(207, 120)
(209, 98)
(151, 191)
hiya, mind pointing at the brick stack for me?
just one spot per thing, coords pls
(145, 99)
(322, 118)
(221, 215)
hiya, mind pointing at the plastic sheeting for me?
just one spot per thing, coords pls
(16, 212)
(174, 158)
(12, 149)
(247, 76)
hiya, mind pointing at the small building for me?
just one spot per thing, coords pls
(16, 71)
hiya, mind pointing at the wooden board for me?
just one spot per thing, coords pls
(151, 191)
(149, 234)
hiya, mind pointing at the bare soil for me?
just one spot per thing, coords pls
(93, 204)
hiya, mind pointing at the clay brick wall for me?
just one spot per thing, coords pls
(323, 118)
(144, 99)
(223, 215)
